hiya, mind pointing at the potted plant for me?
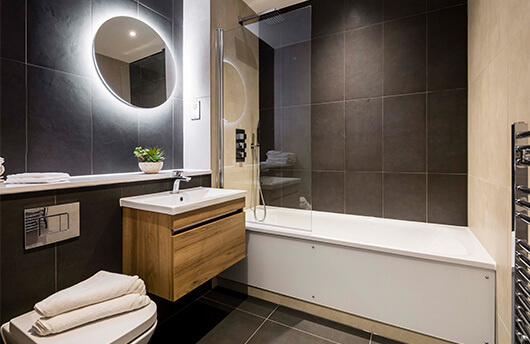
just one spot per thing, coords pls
(150, 160)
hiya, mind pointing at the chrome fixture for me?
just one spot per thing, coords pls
(270, 17)
(220, 108)
(179, 178)
(258, 192)
(46, 225)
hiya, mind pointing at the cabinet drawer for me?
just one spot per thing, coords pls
(202, 253)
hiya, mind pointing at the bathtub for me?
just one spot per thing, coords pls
(433, 279)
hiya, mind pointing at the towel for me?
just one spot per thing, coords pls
(81, 316)
(37, 178)
(280, 158)
(98, 288)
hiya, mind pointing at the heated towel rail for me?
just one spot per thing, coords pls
(520, 223)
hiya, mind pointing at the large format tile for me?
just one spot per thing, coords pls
(405, 196)
(327, 69)
(359, 13)
(327, 136)
(296, 134)
(99, 245)
(27, 276)
(13, 30)
(447, 49)
(404, 134)
(447, 199)
(296, 74)
(273, 333)
(156, 130)
(13, 116)
(59, 122)
(438, 4)
(178, 47)
(405, 56)
(236, 328)
(364, 193)
(364, 135)
(136, 189)
(59, 35)
(103, 10)
(327, 17)
(394, 9)
(364, 62)
(163, 7)
(447, 132)
(241, 301)
(328, 191)
(114, 132)
(321, 327)
(178, 133)
(268, 70)
(382, 340)
(162, 25)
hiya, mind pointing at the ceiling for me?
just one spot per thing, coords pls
(262, 5)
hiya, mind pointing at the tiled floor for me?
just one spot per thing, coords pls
(224, 316)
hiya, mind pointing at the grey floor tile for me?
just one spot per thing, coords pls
(241, 301)
(275, 333)
(234, 329)
(382, 340)
(320, 327)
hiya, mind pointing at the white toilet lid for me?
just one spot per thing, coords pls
(119, 329)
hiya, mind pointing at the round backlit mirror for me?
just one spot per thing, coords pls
(134, 62)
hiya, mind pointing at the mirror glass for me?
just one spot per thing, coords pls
(134, 62)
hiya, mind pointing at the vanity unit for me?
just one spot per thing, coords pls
(176, 242)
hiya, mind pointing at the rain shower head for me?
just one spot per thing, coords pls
(270, 17)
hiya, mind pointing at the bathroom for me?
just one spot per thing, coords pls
(329, 171)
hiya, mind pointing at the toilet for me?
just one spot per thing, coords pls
(135, 327)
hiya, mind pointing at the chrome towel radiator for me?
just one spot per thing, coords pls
(520, 223)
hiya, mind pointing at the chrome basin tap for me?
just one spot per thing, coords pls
(179, 178)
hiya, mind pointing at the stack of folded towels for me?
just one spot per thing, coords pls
(103, 295)
(37, 178)
(280, 158)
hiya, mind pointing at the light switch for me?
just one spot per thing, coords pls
(195, 110)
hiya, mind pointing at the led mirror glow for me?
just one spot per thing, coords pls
(134, 62)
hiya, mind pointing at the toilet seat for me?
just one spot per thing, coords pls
(119, 329)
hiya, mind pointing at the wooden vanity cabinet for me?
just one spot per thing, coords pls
(174, 254)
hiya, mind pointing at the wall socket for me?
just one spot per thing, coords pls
(195, 110)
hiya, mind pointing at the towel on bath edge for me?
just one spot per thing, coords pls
(81, 316)
(101, 287)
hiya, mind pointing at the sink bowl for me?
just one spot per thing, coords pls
(186, 200)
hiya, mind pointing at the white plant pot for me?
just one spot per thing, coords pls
(151, 167)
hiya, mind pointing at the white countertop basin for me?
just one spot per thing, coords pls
(185, 200)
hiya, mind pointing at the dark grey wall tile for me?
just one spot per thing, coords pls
(364, 62)
(178, 133)
(156, 130)
(364, 193)
(438, 4)
(99, 245)
(27, 276)
(162, 25)
(115, 134)
(405, 56)
(405, 196)
(360, 13)
(327, 69)
(13, 30)
(404, 133)
(103, 10)
(394, 9)
(178, 12)
(303, 189)
(364, 135)
(59, 122)
(178, 46)
(447, 48)
(59, 35)
(297, 26)
(296, 134)
(267, 75)
(136, 189)
(447, 199)
(327, 17)
(328, 191)
(296, 74)
(13, 116)
(327, 136)
(269, 128)
(163, 7)
(447, 132)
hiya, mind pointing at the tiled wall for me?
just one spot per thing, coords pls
(56, 113)
(29, 276)
(387, 105)
(499, 85)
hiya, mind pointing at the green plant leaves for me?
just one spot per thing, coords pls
(152, 154)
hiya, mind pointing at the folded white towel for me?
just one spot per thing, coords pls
(81, 316)
(37, 178)
(100, 287)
